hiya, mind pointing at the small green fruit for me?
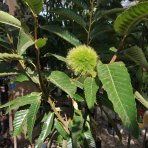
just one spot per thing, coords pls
(82, 60)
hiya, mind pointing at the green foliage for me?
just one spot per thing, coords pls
(67, 13)
(20, 78)
(58, 57)
(99, 14)
(6, 18)
(77, 129)
(60, 129)
(4, 44)
(63, 34)
(9, 73)
(113, 49)
(19, 119)
(62, 81)
(79, 82)
(141, 99)
(89, 142)
(34, 100)
(69, 114)
(24, 41)
(35, 5)
(90, 88)
(46, 129)
(78, 98)
(31, 117)
(41, 42)
(21, 101)
(126, 20)
(116, 82)
(99, 32)
(136, 54)
(10, 57)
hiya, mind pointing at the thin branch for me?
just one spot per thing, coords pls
(119, 48)
(38, 67)
(43, 88)
(52, 104)
(90, 22)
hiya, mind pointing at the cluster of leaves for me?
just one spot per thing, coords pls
(93, 25)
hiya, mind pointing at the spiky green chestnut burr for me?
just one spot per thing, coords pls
(82, 60)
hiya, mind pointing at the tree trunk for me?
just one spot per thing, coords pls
(12, 6)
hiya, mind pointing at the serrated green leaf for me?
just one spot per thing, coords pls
(41, 42)
(78, 98)
(20, 78)
(61, 80)
(60, 129)
(136, 54)
(21, 102)
(9, 19)
(99, 14)
(10, 57)
(116, 81)
(31, 117)
(141, 99)
(89, 140)
(64, 34)
(77, 128)
(95, 34)
(18, 122)
(68, 13)
(24, 100)
(24, 41)
(126, 20)
(14, 106)
(78, 83)
(35, 5)
(90, 89)
(46, 129)
(60, 58)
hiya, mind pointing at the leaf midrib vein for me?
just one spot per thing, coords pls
(115, 90)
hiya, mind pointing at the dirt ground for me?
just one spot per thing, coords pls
(109, 141)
